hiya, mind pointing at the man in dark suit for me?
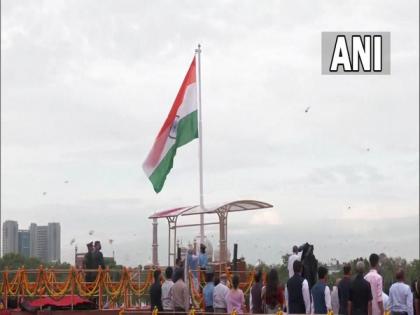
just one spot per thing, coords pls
(98, 256)
(343, 289)
(156, 292)
(89, 263)
(360, 294)
(297, 292)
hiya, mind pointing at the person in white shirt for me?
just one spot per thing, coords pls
(335, 301)
(297, 292)
(292, 258)
(219, 295)
(166, 290)
(385, 299)
(400, 296)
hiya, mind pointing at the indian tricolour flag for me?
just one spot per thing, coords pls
(180, 127)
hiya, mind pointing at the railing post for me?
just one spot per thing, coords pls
(139, 288)
(100, 301)
(125, 298)
(129, 291)
(72, 287)
(19, 282)
(5, 287)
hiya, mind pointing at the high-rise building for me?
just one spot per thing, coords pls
(23, 242)
(32, 240)
(54, 242)
(45, 241)
(10, 237)
(40, 241)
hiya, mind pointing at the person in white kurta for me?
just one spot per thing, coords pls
(292, 258)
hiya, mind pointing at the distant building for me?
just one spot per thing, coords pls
(40, 241)
(10, 237)
(54, 242)
(32, 240)
(45, 241)
(78, 260)
(23, 243)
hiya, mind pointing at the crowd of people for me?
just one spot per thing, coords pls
(173, 294)
(357, 293)
(361, 294)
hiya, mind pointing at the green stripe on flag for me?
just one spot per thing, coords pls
(187, 131)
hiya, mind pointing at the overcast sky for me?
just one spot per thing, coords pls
(86, 86)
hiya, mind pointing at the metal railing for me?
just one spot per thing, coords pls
(110, 288)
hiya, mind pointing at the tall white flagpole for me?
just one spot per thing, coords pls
(200, 142)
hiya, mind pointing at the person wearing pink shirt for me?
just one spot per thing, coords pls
(375, 280)
(235, 299)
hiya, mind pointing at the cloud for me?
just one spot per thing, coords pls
(266, 218)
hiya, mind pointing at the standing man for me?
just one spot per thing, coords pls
(321, 294)
(375, 280)
(292, 258)
(89, 263)
(99, 257)
(360, 294)
(179, 293)
(156, 292)
(335, 301)
(220, 293)
(400, 296)
(255, 301)
(202, 257)
(179, 264)
(166, 291)
(416, 293)
(343, 289)
(192, 264)
(208, 293)
(297, 292)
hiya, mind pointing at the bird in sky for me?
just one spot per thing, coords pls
(44, 193)
(72, 241)
(91, 232)
(66, 182)
(307, 109)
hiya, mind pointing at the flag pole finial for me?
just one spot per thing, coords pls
(198, 50)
